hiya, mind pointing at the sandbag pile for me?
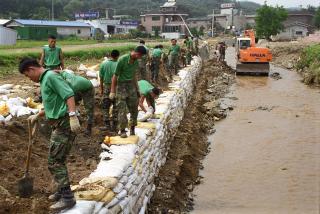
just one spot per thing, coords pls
(17, 107)
(124, 179)
(92, 73)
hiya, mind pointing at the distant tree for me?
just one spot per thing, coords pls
(269, 21)
(248, 26)
(317, 18)
(194, 31)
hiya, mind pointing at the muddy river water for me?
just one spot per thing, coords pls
(265, 157)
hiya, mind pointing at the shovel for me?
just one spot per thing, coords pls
(25, 185)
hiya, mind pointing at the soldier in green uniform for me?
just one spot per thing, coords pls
(155, 62)
(174, 53)
(124, 82)
(143, 62)
(149, 93)
(59, 109)
(83, 90)
(107, 70)
(51, 56)
(189, 45)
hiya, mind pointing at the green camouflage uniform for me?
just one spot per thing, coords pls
(55, 91)
(107, 70)
(126, 95)
(145, 88)
(84, 91)
(174, 52)
(189, 45)
(155, 65)
(143, 66)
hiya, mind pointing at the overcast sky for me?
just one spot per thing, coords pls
(290, 3)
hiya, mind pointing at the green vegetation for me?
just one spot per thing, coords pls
(269, 21)
(317, 18)
(309, 64)
(65, 9)
(38, 44)
(9, 62)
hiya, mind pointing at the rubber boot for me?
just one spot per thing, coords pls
(123, 133)
(132, 132)
(55, 196)
(67, 200)
(114, 126)
(88, 130)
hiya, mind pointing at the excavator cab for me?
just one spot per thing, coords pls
(251, 59)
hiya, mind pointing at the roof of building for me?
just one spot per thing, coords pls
(200, 19)
(296, 23)
(4, 21)
(300, 13)
(51, 23)
(159, 12)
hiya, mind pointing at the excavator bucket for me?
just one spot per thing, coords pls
(253, 68)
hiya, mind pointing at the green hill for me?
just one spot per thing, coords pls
(65, 9)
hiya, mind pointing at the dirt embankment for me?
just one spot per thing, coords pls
(176, 180)
(300, 56)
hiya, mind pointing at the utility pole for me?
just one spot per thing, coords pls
(212, 24)
(52, 10)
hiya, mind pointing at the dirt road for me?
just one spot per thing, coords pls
(265, 156)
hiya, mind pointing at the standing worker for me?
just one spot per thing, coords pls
(83, 90)
(143, 62)
(149, 93)
(124, 82)
(60, 111)
(51, 56)
(222, 51)
(189, 45)
(196, 45)
(107, 70)
(155, 62)
(174, 53)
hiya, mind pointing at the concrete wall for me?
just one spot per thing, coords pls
(292, 33)
(124, 179)
(67, 31)
(7, 36)
(147, 22)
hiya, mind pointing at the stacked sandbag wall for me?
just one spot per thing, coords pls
(124, 179)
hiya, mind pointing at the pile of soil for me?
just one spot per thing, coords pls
(82, 161)
(180, 174)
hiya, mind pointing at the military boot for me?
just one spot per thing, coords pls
(123, 133)
(55, 196)
(66, 201)
(132, 131)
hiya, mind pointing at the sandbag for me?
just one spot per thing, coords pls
(117, 140)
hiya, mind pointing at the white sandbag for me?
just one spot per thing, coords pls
(2, 119)
(82, 67)
(81, 207)
(4, 91)
(118, 188)
(122, 194)
(95, 83)
(6, 86)
(92, 74)
(23, 111)
(8, 118)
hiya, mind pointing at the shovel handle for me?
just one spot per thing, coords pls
(29, 147)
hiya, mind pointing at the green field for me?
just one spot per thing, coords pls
(9, 62)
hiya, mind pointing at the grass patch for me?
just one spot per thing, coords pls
(35, 44)
(309, 64)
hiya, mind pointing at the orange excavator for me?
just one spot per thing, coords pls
(252, 59)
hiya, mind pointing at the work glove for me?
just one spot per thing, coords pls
(74, 124)
(33, 118)
(112, 95)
